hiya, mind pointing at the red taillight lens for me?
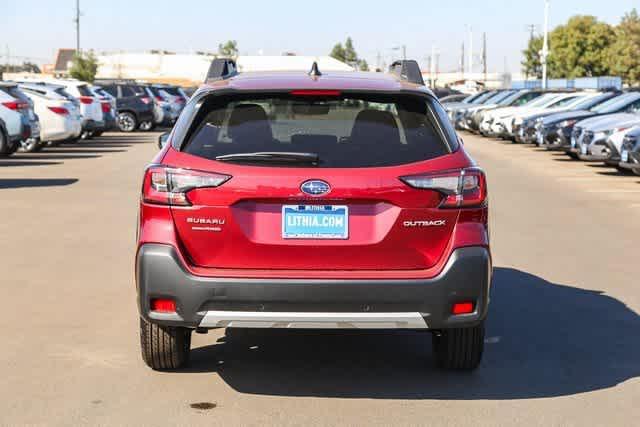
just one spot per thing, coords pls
(86, 99)
(169, 186)
(162, 305)
(462, 308)
(180, 100)
(106, 106)
(15, 106)
(145, 99)
(59, 110)
(159, 98)
(314, 92)
(465, 188)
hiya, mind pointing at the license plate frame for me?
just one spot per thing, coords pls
(312, 223)
(624, 156)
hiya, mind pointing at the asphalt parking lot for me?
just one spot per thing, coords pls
(563, 343)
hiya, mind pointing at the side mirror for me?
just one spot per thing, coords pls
(163, 139)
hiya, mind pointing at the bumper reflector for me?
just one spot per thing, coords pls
(163, 305)
(462, 308)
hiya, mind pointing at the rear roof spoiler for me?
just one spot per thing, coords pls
(221, 68)
(408, 70)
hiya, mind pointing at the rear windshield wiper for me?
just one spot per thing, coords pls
(271, 157)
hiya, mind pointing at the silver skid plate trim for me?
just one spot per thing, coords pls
(293, 320)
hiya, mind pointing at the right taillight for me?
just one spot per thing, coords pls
(462, 188)
(86, 100)
(169, 186)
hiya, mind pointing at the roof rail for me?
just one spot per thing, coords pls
(221, 68)
(407, 69)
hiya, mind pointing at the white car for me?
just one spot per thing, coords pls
(503, 124)
(60, 118)
(20, 125)
(90, 106)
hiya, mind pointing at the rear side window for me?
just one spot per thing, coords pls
(63, 92)
(84, 90)
(350, 130)
(127, 91)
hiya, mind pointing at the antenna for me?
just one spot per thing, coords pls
(315, 71)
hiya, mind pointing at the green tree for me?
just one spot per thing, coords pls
(338, 52)
(348, 54)
(624, 55)
(580, 48)
(84, 66)
(228, 49)
(531, 64)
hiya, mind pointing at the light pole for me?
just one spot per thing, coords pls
(545, 45)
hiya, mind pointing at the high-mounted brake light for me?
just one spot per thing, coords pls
(59, 110)
(169, 186)
(315, 92)
(464, 188)
(86, 99)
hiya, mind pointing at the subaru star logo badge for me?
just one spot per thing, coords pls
(315, 187)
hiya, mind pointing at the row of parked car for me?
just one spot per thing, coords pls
(35, 113)
(590, 125)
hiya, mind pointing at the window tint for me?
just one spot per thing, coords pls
(127, 91)
(84, 90)
(63, 92)
(111, 90)
(18, 94)
(349, 131)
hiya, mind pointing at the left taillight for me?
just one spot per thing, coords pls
(145, 99)
(169, 186)
(86, 100)
(462, 188)
(59, 110)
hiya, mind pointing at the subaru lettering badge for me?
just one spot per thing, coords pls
(315, 187)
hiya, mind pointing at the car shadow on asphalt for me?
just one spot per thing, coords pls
(35, 182)
(543, 340)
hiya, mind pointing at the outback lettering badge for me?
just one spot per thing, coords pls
(436, 223)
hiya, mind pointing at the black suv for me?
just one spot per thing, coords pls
(135, 107)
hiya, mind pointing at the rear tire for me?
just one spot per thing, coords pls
(574, 156)
(459, 348)
(624, 171)
(5, 145)
(164, 347)
(146, 126)
(31, 145)
(127, 122)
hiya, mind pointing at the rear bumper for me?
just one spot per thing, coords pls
(313, 303)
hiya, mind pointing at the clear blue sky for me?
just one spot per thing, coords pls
(36, 28)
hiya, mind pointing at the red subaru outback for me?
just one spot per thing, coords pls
(295, 200)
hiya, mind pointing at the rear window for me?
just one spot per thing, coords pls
(172, 91)
(346, 131)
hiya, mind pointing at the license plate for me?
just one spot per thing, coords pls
(624, 157)
(573, 142)
(583, 149)
(540, 139)
(315, 222)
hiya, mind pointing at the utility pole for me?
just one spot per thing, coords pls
(484, 56)
(532, 33)
(432, 67)
(545, 45)
(77, 22)
(470, 50)
(462, 60)
(404, 51)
